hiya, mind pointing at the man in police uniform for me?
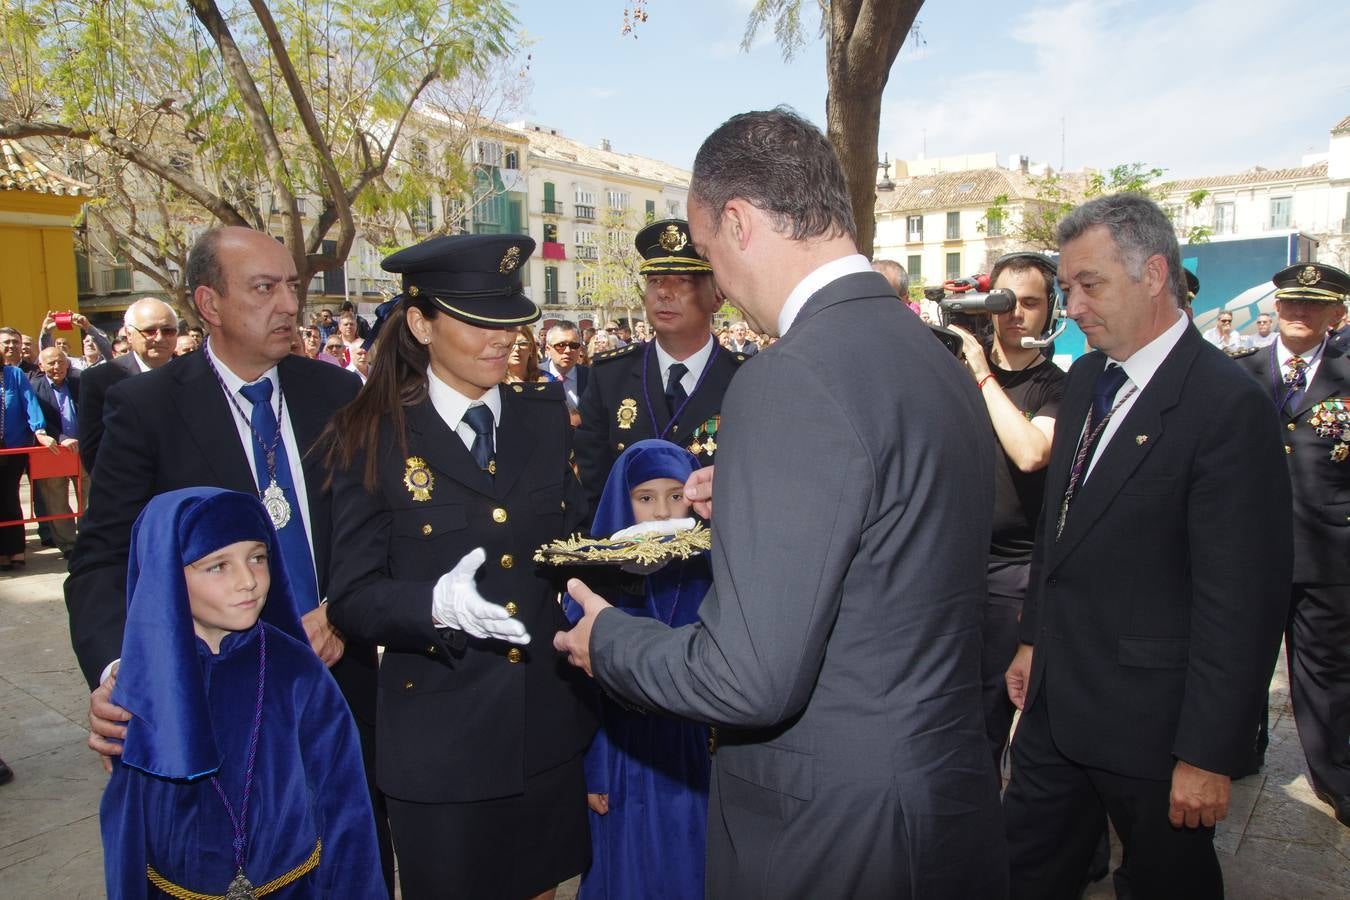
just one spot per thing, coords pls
(1308, 379)
(670, 387)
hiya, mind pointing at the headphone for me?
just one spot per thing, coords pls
(1056, 321)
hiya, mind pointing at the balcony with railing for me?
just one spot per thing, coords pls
(587, 251)
(553, 207)
(555, 298)
(585, 213)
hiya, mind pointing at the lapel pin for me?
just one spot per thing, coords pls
(1141, 439)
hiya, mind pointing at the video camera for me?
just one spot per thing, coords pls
(969, 303)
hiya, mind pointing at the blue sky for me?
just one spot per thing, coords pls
(1194, 86)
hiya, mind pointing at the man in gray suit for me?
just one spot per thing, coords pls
(838, 651)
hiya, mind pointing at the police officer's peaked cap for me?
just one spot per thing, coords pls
(473, 277)
(1313, 282)
(667, 249)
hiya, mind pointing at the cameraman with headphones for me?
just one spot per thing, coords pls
(1021, 390)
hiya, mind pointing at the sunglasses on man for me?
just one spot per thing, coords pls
(566, 345)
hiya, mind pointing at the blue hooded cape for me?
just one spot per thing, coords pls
(654, 769)
(192, 717)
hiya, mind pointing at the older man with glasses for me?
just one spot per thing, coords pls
(152, 332)
(563, 346)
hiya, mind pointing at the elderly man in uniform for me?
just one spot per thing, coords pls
(1307, 378)
(671, 387)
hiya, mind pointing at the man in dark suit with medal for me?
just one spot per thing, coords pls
(670, 387)
(1307, 379)
(243, 414)
(1157, 595)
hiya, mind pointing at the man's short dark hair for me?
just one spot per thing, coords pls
(779, 163)
(203, 263)
(1025, 264)
(1140, 229)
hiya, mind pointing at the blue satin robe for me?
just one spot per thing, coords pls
(308, 783)
(651, 843)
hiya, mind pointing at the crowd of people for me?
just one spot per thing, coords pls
(305, 596)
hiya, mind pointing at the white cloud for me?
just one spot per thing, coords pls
(1203, 88)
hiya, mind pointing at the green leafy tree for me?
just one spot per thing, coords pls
(612, 279)
(245, 109)
(1056, 194)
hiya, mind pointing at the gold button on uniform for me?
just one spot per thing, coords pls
(407, 685)
(1291, 426)
(1288, 451)
(508, 560)
(511, 608)
(431, 648)
(499, 515)
(426, 529)
(618, 446)
(514, 655)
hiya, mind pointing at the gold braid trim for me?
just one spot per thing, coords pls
(272, 886)
(646, 550)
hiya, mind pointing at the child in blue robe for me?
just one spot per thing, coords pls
(647, 775)
(241, 771)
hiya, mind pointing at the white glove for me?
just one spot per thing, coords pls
(641, 529)
(456, 603)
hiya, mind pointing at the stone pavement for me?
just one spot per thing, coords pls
(1278, 841)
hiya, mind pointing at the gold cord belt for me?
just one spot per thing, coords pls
(263, 890)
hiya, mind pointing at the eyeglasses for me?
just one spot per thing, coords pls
(162, 331)
(1225, 321)
(521, 345)
(566, 345)
(333, 348)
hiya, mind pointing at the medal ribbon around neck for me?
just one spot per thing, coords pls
(273, 497)
(647, 389)
(1080, 460)
(240, 885)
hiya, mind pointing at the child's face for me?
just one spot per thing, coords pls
(227, 590)
(658, 500)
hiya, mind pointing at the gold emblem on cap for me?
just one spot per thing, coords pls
(1309, 276)
(413, 291)
(510, 260)
(417, 478)
(628, 410)
(673, 239)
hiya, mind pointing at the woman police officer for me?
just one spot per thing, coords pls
(480, 729)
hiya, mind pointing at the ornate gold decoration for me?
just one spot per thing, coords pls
(628, 411)
(644, 551)
(417, 478)
(262, 890)
(413, 291)
(510, 260)
(1309, 276)
(1340, 453)
(673, 239)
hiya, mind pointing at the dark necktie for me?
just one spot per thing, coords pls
(1296, 382)
(295, 550)
(1104, 391)
(479, 418)
(675, 394)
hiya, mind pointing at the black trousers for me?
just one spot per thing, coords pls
(998, 642)
(1053, 810)
(1317, 642)
(11, 471)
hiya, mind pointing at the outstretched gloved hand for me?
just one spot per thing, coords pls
(456, 603)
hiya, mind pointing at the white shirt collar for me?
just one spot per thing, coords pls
(694, 363)
(1283, 354)
(233, 382)
(1143, 363)
(814, 281)
(450, 404)
(140, 363)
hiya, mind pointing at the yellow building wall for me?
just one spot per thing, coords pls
(37, 257)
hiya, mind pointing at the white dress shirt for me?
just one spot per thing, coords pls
(1313, 358)
(1139, 371)
(695, 363)
(451, 405)
(814, 281)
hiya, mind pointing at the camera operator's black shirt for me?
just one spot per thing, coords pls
(1017, 495)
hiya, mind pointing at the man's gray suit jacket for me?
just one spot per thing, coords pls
(839, 648)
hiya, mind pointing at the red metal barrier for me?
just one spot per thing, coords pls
(49, 462)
